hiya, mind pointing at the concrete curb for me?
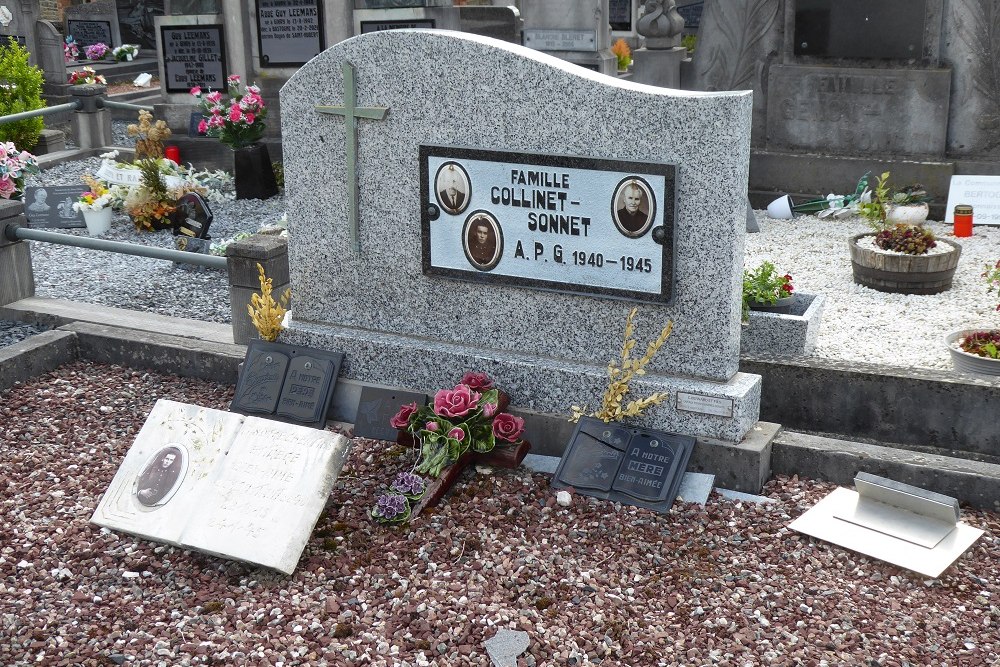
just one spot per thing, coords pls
(36, 356)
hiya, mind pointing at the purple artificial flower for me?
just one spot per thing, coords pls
(408, 483)
(390, 505)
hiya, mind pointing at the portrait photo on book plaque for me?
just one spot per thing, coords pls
(453, 188)
(161, 476)
(483, 240)
(633, 207)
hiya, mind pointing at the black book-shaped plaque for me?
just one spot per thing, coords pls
(287, 383)
(639, 467)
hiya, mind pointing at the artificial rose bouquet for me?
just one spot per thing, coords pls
(466, 417)
(236, 123)
(14, 166)
(87, 75)
(70, 50)
(96, 51)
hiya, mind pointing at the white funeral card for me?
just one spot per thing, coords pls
(215, 481)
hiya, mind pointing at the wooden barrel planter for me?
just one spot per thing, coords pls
(903, 274)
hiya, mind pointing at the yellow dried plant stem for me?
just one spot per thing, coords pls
(265, 313)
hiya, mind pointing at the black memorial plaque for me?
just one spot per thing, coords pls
(289, 32)
(377, 406)
(16, 39)
(259, 384)
(51, 207)
(194, 122)
(378, 26)
(287, 383)
(88, 33)
(864, 29)
(620, 14)
(691, 13)
(639, 467)
(193, 55)
(192, 217)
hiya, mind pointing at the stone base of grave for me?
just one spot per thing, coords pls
(659, 67)
(777, 334)
(722, 410)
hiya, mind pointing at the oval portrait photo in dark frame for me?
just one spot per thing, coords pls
(161, 476)
(482, 240)
(452, 187)
(633, 207)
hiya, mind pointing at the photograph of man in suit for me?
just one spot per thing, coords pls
(632, 209)
(40, 203)
(159, 477)
(482, 243)
(452, 188)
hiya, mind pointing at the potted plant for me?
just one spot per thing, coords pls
(978, 350)
(239, 124)
(908, 205)
(901, 257)
(623, 53)
(766, 289)
(125, 52)
(14, 166)
(96, 207)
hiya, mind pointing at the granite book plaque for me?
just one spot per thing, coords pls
(287, 383)
(571, 224)
(221, 483)
(377, 406)
(88, 33)
(51, 207)
(289, 32)
(193, 55)
(638, 467)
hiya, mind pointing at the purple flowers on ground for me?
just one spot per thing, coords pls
(390, 506)
(408, 484)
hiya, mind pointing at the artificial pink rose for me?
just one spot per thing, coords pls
(214, 97)
(233, 78)
(432, 426)
(7, 186)
(489, 409)
(202, 126)
(508, 427)
(402, 418)
(478, 381)
(248, 117)
(457, 402)
(235, 114)
(456, 434)
(196, 91)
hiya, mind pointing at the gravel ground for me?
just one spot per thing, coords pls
(592, 583)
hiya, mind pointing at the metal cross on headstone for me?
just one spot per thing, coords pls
(351, 112)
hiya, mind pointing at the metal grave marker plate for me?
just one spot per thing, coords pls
(572, 224)
(288, 383)
(377, 406)
(51, 207)
(561, 40)
(639, 467)
(378, 26)
(193, 55)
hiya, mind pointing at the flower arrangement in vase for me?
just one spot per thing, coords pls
(237, 122)
(467, 418)
(125, 52)
(623, 53)
(96, 206)
(88, 76)
(70, 50)
(14, 166)
(98, 51)
(766, 288)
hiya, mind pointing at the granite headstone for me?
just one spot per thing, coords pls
(411, 328)
(193, 55)
(289, 32)
(238, 487)
(18, 24)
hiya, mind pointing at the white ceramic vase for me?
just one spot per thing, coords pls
(98, 222)
(911, 214)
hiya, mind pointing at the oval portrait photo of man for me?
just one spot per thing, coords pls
(453, 188)
(633, 207)
(483, 240)
(161, 476)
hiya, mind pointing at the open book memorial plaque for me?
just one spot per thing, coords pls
(239, 487)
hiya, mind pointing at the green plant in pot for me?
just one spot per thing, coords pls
(766, 288)
(978, 350)
(896, 255)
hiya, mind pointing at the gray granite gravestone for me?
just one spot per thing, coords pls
(395, 279)
(18, 24)
(93, 22)
(238, 487)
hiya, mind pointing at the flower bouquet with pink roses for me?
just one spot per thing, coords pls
(238, 122)
(469, 417)
(14, 166)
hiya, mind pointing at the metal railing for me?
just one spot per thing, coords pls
(15, 232)
(127, 106)
(44, 111)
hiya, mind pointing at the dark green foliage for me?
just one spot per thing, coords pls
(20, 90)
(279, 173)
(911, 239)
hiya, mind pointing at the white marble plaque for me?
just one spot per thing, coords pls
(238, 487)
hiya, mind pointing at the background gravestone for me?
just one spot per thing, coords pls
(574, 30)
(21, 28)
(88, 22)
(548, 348)
(137, 21)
